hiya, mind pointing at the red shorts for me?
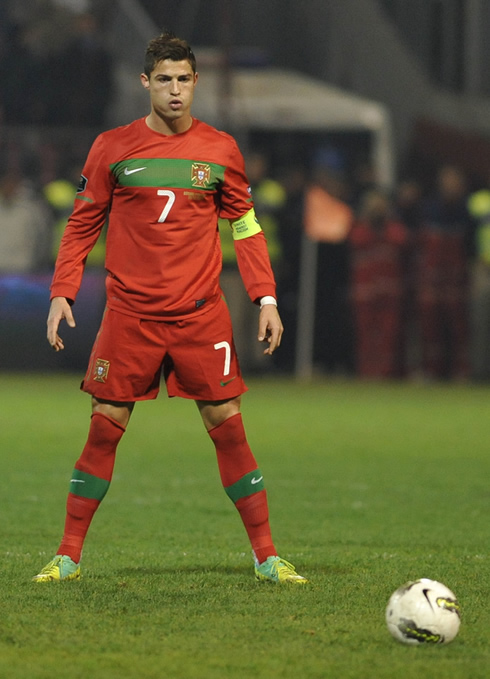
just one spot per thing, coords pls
(197, 357)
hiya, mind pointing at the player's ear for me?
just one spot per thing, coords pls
(145, 81)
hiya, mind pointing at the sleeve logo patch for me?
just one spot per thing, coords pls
(200, 175)
(101, 370)
(82, 185)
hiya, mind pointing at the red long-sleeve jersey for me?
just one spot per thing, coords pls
(161, 196)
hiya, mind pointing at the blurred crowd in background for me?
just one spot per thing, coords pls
(49, 47)
(403, 282)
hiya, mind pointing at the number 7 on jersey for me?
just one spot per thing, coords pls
(171, 200)
(227, 348)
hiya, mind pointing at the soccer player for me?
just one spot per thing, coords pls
(161, 182)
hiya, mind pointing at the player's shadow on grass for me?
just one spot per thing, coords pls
(175, 570)
(221, 569)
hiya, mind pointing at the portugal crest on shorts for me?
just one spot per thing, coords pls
(200, 175)
(101, 370)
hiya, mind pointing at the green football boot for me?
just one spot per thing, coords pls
(60, 569)
(275, 569)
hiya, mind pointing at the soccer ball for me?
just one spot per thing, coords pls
(423, 612)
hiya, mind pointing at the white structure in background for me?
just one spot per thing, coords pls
(278, 100)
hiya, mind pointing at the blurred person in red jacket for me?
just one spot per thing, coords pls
(378, 245)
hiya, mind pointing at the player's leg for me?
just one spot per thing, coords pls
(92, 474)
(124, 367)
(244, 484)
(89, 484)
(241, 477)
(204, 367)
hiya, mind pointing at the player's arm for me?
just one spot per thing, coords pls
(81, 233)
(270, 325)
(251, 249)
(59, 310)
(85, 224)
(257, 275)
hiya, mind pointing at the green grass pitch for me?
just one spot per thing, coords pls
(370, 485)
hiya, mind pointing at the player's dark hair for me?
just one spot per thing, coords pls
(167, 46)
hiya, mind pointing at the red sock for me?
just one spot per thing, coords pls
(238, 470)
(90, 482)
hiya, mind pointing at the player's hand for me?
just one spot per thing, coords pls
(270, 327)
(59, 310)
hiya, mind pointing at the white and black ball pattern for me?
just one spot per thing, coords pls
(423, 612)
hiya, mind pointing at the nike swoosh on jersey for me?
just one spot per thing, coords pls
(136, 169)
(223, 384)
(254, 480)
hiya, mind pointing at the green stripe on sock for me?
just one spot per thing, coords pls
(248, 485)
(86, 485)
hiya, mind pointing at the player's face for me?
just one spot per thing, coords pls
(171, 87)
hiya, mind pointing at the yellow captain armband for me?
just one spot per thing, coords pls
(246, 226)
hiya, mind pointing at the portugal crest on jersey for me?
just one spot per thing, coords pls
(200, 175)
(101, 370)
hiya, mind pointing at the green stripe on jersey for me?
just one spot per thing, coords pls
(248, 485)
(86, 485)
(176, 173)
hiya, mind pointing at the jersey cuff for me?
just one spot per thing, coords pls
(69, 292)
(246, 226)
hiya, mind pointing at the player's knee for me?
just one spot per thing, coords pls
(120, 412)
(214, 413)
